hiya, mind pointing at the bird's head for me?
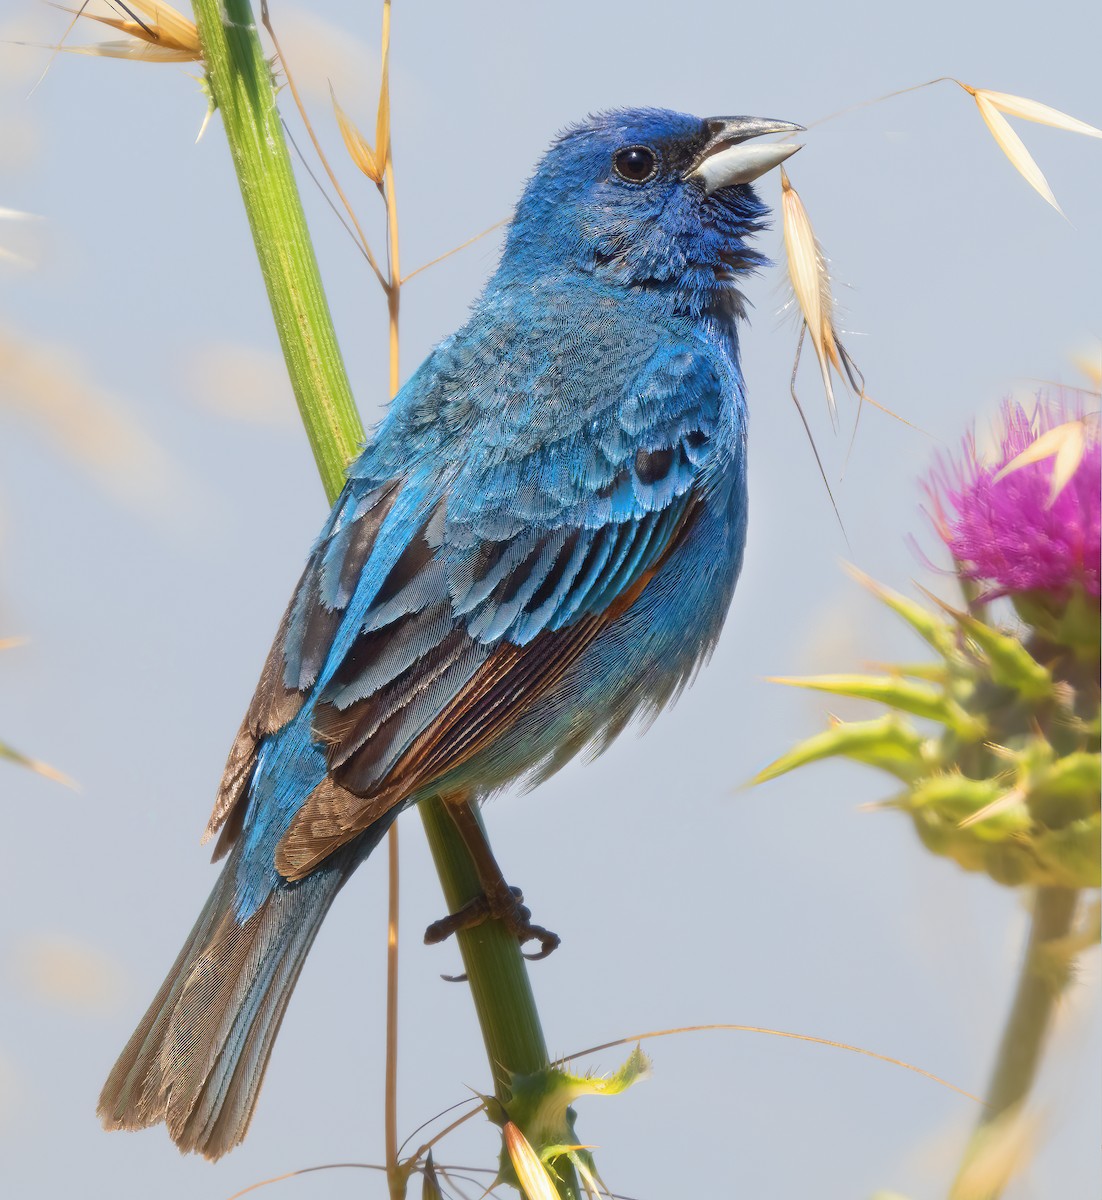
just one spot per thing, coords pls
(648, 197)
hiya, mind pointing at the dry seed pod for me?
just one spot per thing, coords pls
(358, 147)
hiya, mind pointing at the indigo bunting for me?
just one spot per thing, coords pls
(539, 543)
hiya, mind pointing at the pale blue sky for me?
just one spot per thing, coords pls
(150, 586)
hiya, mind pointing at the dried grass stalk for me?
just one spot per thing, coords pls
(1014, 149)
(36, 765)
(164, 35)
(430, 1185)
(1000, 1153)
(15, 756)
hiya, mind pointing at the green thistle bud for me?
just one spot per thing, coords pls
(1008, 781)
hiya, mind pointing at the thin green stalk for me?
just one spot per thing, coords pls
(496, 970)
(497, 973)
(241, 86)
(1040, 983)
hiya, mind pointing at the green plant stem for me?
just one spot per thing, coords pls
(1039, 987)
(1040, 982)
(496, 970)
(241, 86)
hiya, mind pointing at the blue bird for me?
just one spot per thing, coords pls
(539, 543)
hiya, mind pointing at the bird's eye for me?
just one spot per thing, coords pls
(636, 164)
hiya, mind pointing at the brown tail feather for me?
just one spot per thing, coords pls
(197, 1059)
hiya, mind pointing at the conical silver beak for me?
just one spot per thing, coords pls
(726, 161)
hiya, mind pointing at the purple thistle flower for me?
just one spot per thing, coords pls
(1010, 534)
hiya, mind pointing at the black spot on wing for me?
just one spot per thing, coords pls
(652, 466)
(696, 438)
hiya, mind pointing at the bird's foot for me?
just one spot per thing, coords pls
(505, 905)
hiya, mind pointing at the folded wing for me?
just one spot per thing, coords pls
(433, 612)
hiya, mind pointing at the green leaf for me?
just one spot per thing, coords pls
(932, 672)
(929, 626)
(917, 698)
(1010, 662)
(1071, 622)
(886, 742)
(540, 1102)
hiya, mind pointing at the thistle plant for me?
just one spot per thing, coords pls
(995, 739)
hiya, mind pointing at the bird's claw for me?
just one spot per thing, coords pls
(506, 906)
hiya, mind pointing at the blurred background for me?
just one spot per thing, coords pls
(157, 498)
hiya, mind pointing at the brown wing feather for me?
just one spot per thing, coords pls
(274, 703)
(501, 689)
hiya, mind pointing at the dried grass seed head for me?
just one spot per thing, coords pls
(155, 32)
(993, 105)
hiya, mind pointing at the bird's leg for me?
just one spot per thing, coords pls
(498, 901)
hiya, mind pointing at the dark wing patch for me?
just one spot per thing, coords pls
(652, 466)
(457, 705)
(328, 584)
(424, 642)
(365, 739)
(301, 642)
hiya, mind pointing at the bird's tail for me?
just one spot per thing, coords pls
(198, 1056)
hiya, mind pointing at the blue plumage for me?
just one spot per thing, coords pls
(539, 543)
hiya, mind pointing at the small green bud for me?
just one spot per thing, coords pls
(1066, 790)
(1070, 621)
(887, 742)
(1068, 857)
